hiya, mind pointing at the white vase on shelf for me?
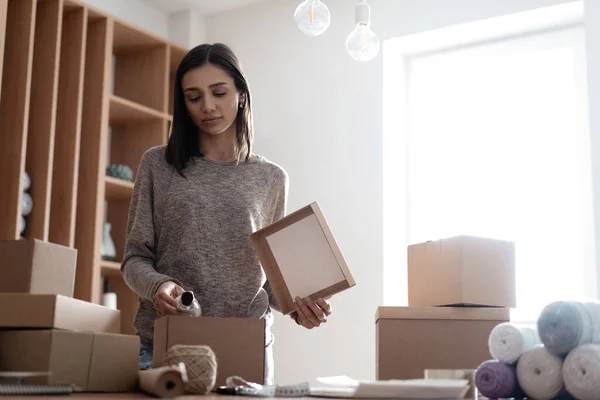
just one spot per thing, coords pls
(108, 246)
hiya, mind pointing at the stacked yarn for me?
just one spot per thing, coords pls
(27, 206)
(558, 358)
(200, 363)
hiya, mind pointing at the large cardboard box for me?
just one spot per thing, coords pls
(34, 266)
(18, 310)
(238, 343)
(411, 340)
(462, 270)
(91, 362)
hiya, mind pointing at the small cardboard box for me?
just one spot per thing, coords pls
(462, 270)
(19, 310)
(301, 258)
(34, 266)
(411, 340)
(238, 343)
(91, 362)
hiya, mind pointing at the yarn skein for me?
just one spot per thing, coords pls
(496, 380)
(564, 325)
(508, 341)
(581, 372)
(200, 363)
(539, 373)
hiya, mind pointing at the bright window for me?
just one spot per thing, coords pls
(495, 144)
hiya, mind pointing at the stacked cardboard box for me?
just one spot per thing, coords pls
(459, 289)
(44, 329)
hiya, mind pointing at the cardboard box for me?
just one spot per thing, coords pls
(301, 258)
(238, 343)
(91, 362)
(411, 340)
(33, 266)
(462, 270)
(18, 310)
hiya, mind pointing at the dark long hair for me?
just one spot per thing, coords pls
(184, 142)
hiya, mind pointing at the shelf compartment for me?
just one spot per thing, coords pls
(68, 127)
(123, 111)
(42, 115)
(92, 159)
(18, 37)
(117, 188)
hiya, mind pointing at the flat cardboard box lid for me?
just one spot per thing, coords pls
(22, 310)
(437, 313)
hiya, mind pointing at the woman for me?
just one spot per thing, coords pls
(197, 200)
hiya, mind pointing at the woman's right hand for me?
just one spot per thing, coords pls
(164, 298)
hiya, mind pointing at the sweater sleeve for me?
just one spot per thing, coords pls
(279, 213)
(138, 263)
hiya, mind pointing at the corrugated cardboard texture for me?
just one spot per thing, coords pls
(238, 343)
(462, 270)
(406, 347)
(20, 310)
(91, 362)
(33, 266)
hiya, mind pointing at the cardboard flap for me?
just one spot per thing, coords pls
(451, 313)
(114, 363)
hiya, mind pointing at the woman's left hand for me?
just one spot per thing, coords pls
(311, 314)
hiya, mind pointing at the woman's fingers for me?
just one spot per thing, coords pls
(307, 313)
(325, 306)
(317, 311)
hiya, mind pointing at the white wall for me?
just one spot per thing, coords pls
(137, 13)
(592, 28)
(319, 114)
(187, 28)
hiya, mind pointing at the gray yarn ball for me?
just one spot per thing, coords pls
(26, 181)
(564, 325)
(27, 204)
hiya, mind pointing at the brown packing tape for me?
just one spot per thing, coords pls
(164, 382)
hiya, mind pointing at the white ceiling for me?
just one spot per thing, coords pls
(205, 7)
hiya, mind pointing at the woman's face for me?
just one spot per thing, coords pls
(211, 98)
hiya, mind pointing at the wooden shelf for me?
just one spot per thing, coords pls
(110, 268)
(123, 111)
(117, 188)
(58, 118)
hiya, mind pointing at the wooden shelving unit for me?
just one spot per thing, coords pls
(80, 90)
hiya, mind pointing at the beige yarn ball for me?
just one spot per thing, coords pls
(200, 363)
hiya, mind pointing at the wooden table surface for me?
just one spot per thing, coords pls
(126, 396)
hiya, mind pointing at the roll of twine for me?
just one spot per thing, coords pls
(201, 365)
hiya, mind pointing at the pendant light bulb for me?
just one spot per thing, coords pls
(362, 44)
(312, 17)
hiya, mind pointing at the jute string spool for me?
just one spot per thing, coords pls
(201, 365)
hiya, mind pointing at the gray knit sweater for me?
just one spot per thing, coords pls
(195, 231)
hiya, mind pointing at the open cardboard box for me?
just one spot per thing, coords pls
(238, 343)
(34, 266)
(19, 310)
(90, 362)
(300, 257)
